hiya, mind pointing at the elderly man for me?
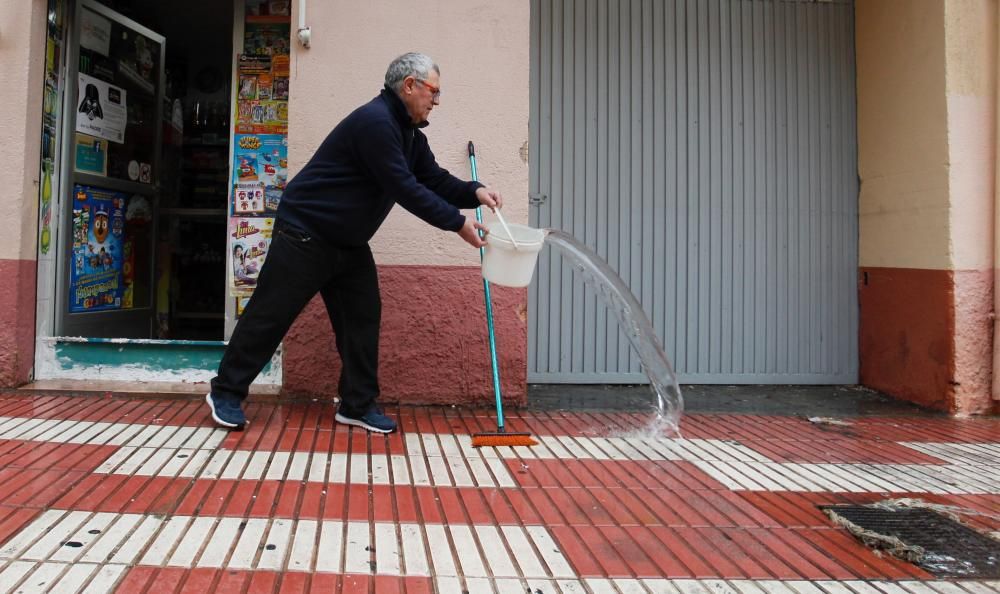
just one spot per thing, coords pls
(377, 156)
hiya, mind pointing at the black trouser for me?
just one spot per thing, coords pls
(296, 268)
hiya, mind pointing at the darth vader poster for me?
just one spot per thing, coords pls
(102, 109)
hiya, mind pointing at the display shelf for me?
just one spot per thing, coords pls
(197, 315)
(268, 19)
(206, 138)
(206, 145)
(196, 212)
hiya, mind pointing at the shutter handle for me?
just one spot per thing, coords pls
(536, 199)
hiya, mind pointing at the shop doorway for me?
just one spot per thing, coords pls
(145, 162)
(164, 160)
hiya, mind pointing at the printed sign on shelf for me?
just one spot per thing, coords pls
(95, 32)
(91, 155)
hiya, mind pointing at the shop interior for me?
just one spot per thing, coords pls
(189, 292)
(174, 163)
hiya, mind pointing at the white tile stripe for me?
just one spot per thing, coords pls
(469, 555)
(303, 545)
(387, 555)
(856, 478)
(289, 545)
(190, 452)
(564, 447)
(99, 578)
(448, 446)
(322, 467)
(710, 586)
(449, 460)
(959, 453)
(102, 579)
(974, 468)
(101, 433)
(415, 558)
(713, 450)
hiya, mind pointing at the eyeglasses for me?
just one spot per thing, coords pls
(435, 91)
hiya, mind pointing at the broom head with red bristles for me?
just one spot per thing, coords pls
(501, 438)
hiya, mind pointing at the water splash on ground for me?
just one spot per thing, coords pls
(597, 274)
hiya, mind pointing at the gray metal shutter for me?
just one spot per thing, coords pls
(707, 150)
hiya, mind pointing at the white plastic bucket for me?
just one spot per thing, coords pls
(503, 264)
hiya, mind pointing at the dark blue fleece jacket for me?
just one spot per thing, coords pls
(374, 158)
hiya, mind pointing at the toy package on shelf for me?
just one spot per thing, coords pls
(248, 87)
(262, 117)
(248, 199)
(249, 242)
(280, 88)
(260, 39)
(261, 163)
(241, 304)
(264, 87)
(269, 7)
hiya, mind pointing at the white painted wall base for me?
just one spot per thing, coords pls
(180, 362)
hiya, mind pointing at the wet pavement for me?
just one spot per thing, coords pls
(803, 401)
(111, 494)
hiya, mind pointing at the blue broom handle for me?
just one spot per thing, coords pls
(489, 305)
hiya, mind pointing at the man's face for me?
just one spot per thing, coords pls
(420, 97)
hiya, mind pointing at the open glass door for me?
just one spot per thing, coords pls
(112, 176)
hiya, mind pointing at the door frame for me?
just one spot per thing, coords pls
(59, 355)
(136, 322)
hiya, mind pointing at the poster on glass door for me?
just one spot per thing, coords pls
(102, 109)
(98, 233)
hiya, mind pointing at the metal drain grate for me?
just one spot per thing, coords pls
(934, 542)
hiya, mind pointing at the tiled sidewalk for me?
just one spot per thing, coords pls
(130, 495)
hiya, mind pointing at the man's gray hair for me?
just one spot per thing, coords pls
(412, 64)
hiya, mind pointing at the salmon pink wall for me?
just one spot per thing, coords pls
(971, 28)
(17, 321)
(926, 135)
(434, 346)
(482, 48)
(434, 340)
(22, 50)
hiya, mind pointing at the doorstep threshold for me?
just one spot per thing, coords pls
(138, 362)
(137, 341)
(140, 389)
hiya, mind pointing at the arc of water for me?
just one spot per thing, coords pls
(632, 319)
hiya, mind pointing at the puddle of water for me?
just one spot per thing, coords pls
(622, 303)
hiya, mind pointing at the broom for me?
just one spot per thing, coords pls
(500, 437)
